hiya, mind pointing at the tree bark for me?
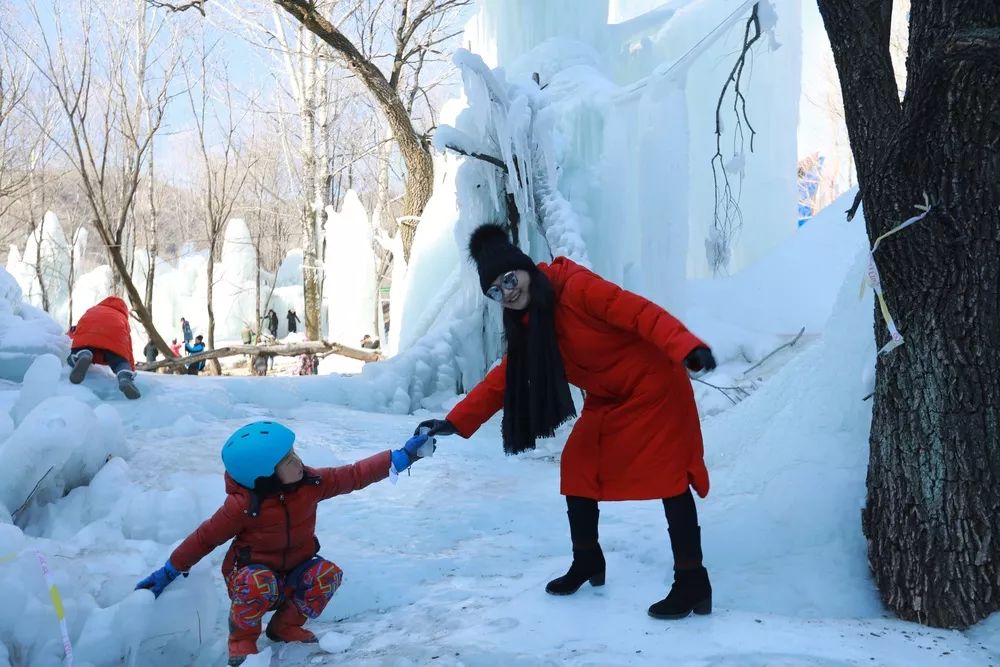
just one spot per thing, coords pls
(414, 150)
(311, 258)
(216, 368)
(932, 516)
(152, 250)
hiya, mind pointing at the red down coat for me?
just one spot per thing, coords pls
(105, 327)
(283, 534)
(638, 436)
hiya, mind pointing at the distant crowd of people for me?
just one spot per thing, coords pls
(102, 336)
(192, 345)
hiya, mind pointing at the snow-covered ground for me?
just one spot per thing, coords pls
(448, 566)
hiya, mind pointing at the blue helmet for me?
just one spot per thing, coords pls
(255, 449)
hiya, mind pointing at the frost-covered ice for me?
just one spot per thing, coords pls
(180, 288)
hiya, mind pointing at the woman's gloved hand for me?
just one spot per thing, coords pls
(436, 427)
(700, 358)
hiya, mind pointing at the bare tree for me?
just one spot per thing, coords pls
(113, 89)
(307, 71)
(14, 85)
(270, 211)
(225, 166)
(932, 515)
(410, 25)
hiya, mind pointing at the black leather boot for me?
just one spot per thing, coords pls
(588, 565)
(588, 559)
(692, 591)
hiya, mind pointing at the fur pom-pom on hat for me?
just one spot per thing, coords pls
(494, 254)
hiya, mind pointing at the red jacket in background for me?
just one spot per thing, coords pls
(638, 436)
(105, 327)
(283, 533)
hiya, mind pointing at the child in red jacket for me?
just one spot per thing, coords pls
(102, 337)
(270, 510)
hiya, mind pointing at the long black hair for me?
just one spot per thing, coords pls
(536, 397)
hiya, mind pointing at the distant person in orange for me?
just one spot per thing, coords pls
(175, 347)
(102, 337)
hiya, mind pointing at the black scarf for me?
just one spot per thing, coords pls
(536, 399)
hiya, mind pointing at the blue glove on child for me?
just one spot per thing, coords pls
(415, 448)
(157, 581)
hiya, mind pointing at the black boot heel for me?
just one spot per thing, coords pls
(704, 608)
(598, 580)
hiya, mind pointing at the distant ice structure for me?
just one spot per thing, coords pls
(349, 275)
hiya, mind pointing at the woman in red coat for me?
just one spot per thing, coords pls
(638, 436)
(102, 337)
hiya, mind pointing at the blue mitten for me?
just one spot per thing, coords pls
(159, 579)
(415, 448)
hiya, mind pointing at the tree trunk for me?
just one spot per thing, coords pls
(38, 233)
(932, 516)
(138, 308)
(71, 279)
(414, 150)
(153, 249)
(216, 367)
(311, 260)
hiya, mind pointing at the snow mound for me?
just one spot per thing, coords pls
(25, 332)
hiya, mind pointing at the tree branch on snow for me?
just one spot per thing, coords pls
(740, 392)
(728, 221)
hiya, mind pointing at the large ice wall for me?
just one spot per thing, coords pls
(606, 134)
(638, 153)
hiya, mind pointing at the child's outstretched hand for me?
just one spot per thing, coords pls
(159, 579)
(415, 448)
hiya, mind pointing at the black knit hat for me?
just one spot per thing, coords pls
(494, 254)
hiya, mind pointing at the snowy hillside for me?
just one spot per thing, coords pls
(448, 566)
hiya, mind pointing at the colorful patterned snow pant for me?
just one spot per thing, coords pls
(255, 590)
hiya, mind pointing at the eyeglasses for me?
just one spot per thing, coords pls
(507, 283)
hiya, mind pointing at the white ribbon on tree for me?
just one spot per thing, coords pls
(872, 277)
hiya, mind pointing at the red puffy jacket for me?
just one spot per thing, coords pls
(638, 436)
(281, 534)
(105, 327)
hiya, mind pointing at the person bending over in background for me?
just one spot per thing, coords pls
(102, 337)
(273, 563)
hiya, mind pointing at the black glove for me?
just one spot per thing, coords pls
(700, 358)
(436, 427)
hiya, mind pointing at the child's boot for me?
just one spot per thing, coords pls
(81, 362)
(286, 625)
(126, 384)
(242, 643)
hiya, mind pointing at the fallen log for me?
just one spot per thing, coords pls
(282, 350)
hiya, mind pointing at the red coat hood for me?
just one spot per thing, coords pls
(116, 303)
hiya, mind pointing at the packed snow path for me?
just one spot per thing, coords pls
(448, 566)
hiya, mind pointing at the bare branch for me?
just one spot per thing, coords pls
(728, 221)
(198, 5)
